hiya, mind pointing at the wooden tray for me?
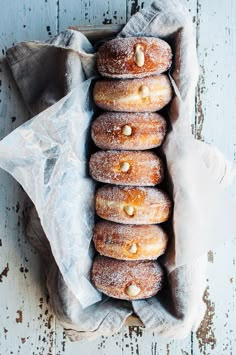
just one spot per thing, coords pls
(96, 34)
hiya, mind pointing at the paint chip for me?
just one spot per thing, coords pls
(210, 256)
(4, 272)
(20, 317)
(205, 333)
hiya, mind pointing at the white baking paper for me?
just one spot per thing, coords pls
(48, 156)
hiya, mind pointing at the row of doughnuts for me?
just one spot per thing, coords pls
(128, 238)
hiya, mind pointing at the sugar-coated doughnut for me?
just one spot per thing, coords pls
(133, 95)
(126, 167)
(129, 242)
(129, 131)
(129, 280)
(133, 57)
(132, 205)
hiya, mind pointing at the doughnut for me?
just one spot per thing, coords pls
(129, 242)
(133, 57)
(128, 280)
(132, 205)
(126, 168)
(129, 131)
(133, 95)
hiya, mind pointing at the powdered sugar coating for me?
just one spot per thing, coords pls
(150, 204)
(126, 95)
(112, 277)
(126, 168)
(116, 58)
(129, 242)
(147, 130)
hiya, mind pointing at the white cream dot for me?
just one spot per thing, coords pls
(144, 91)
(129, 210)
(133, 290)
(127, 130)
(139, 57)
(133, 248)
(124, 167)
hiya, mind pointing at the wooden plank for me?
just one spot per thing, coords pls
(216, 124)
(27, 325)
(216, 334)
(27, 20)
(216, 120)
(88, 12)
(140, 341)
(101, 346)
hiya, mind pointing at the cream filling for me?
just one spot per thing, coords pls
(137, 97)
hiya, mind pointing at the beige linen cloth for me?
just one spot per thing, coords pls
(52, 79)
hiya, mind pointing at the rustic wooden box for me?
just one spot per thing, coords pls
(95, 34)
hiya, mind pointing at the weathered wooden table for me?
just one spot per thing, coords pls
(26, 324)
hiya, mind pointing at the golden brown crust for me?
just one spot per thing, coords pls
(129, 242)
(126, 168)
(132, 205)
(133, 57)
(133, 95)
(129, 131)
(114, 277)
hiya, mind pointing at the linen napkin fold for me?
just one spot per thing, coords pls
(47, 71)
(197, 174)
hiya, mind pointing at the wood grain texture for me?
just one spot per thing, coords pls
(26, 324)
(27, 20)
(88, 12)
(216, 124)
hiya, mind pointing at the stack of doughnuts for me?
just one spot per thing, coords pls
(128, 237)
